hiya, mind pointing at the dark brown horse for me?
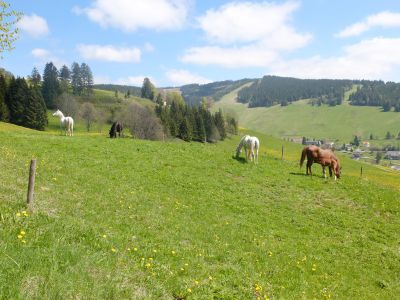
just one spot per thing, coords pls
(326, 158)
(116, 127)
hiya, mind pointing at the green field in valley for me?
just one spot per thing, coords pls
(299, 119)
(125, 218)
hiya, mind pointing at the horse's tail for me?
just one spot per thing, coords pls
(303, 157)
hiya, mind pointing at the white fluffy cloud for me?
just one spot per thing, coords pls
(44, 56)
(181, 77)
(129, 80)
(376, 58)
(110, 53)
(130, 15)
(247, 34)
(384, 19)
(35, 26)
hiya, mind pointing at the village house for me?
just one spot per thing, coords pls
(392, 155)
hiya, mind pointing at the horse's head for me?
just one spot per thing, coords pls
(57, 113)
(337, 169)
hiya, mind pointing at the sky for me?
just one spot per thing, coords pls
(177, 42)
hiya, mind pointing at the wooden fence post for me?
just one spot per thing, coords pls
(282, 152)
(31, 184)
(361, 172)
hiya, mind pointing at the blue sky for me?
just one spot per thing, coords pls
(177, 42)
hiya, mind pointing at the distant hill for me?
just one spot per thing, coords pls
(193, 93)
(133, 90)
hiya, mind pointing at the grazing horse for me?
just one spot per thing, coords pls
(66, 122)
(116, 127)
(251, 145)
(325, 158)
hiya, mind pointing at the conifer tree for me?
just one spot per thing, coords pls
(3, 106)
(16, 95)
(76, 79)
(35, 110)
(65, 79)
(35, 77)
(220, 124)
(148, 89)
(51, 87)
(87, 79)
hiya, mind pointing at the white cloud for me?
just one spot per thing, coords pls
(376, 58)
(182, 77)
(247, 34)
(110, 53)
(384, 19)
(44, 56)
(34, 26)
(130, 15)
(235, 57)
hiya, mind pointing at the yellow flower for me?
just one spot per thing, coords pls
(134, 249)
(269, 253)
(210, 277)
(19, 236)
(18, 214)
(129, 249)
(182, 269)
(186, 265)
(22, 232)
(155, 251)
(150, 258)
(196, 282)
(23, 241)
(173, 252)
(104, 236)
(24, 212)
(189, 290)
(113, 249)
(148, 265)
(304, 258)
(266, 297)
(314, 267)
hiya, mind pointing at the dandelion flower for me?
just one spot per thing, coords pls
(19, 236)
(18, 214)
(196, 282)
(23, 241)
(182, 269)
(22, 232)
(104, 236)
(148, 265)
(150, 258)
(189, 290)
(155, 251)
(269, 253)
(173, 252)
(129, 249)
(113, 249)
(210, 277)
(186, 264)
(134, 249)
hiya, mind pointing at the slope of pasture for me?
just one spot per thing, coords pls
(124, 218)
(301, 119)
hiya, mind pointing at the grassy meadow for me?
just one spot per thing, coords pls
(341, 122)
(125, 218)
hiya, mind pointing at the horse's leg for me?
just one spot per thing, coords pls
(324, 171)
(330, 171)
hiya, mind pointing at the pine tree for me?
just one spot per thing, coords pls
(220, 124)
(16, 96)
(51, 86)
(3, 106)
(87, 79)
(76, 79)
(185, 132)
(35, 77)
(35, 110)
(199, 129)
(65, 79)
(148, 89)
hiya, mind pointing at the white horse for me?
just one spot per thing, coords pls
(66, 122)
(251, 145)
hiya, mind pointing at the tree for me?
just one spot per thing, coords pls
(65, 78)
(76, 79)
(371, 137)
(143, 123)
(35, 115)
(88, 114)
(148, 89)
(220, 124)
(8, 31)
(356, 141)
(388, 135)
(378, 157)
(67, 104)
(35, 77)
(184, 131)
(3, 106)
(16, 96)
(303, 140)
(51, 87)
(87, 79)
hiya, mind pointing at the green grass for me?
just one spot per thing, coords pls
(341, 122)
(124, 218)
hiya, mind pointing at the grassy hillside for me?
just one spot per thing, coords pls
(301, 119)
(125, 218)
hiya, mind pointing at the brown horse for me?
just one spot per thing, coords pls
(325, 158)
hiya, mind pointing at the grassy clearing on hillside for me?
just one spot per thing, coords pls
(123, 218)
(301, 119)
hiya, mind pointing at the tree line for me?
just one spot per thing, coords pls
(377, 93)
(272, 90)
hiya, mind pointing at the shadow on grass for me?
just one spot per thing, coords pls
(239, 159)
